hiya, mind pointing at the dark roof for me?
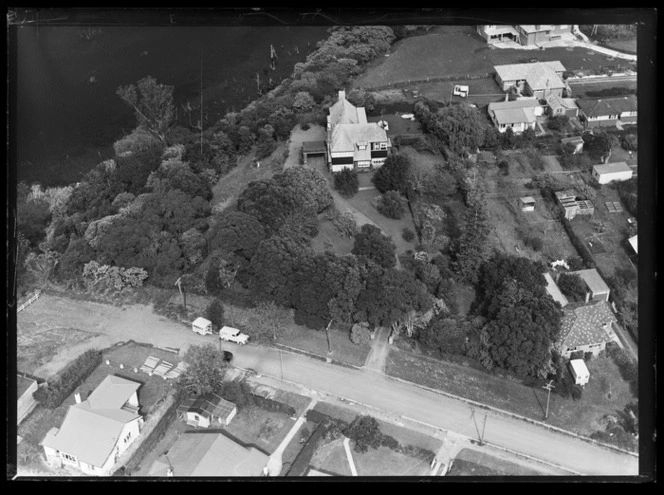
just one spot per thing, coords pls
(209, 405)
(313, 147)
(607, 106)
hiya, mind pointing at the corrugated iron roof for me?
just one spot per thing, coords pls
(611, 168)
(600, 107)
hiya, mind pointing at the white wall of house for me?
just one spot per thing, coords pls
(613, 176)
(26, 403)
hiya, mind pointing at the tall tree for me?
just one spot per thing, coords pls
(236, 232)
(268, 202)
(308, 186)
(394, 175)
(371, 242)
(205, 370)
(152, 103)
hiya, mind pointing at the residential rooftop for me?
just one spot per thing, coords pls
(610, 168)
(585, 324)
(597, 107)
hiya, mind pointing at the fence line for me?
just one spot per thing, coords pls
(28, 302)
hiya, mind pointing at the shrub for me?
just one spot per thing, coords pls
(391, 205)
(504, 167)
(70, 378)
(629, 142)
(572, 286)
(557, 122)
(576, 355)
(365, 431)
(238, 393)
(408, 235)
(346, 182)
(535, 243)
(360, 333)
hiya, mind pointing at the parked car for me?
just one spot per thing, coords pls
(233, 335)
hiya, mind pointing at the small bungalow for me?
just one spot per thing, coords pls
(576, 141)
(604, 112)
(95, 432)
(538, 79)
(587, 328)
(579, 371)
(597, 288)
(518, 115)
(572, 206)
(524, 34)
(210, 454)
(562, 106)
(609, 172)
(205, 410)
(25, 388)
(527, 203)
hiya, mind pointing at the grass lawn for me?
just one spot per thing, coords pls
(362, 201)
(582, 416)
(233, 183)
(315, 342)
(329, 239)
(470, 462)
(36, 346)
(626, 46)
(460, 51)
(257, 427)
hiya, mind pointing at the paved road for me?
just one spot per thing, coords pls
(362, 386)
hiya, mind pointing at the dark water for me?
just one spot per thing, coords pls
(65, 123)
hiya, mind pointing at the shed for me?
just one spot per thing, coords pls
(527, 203)
(206, 409)
(609, 172)
(579, 371)
(576, 141)
(202, 326)
(25, 388)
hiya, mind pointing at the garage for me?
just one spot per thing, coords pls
(313, 148)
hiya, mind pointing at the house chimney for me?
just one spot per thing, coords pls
(342, 95)
(77, 396)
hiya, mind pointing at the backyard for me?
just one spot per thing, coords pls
(470, 462)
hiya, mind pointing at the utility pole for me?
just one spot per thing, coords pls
(329, 347)
(178, 282)
(281, 363)
(548, 387)
(483, 427)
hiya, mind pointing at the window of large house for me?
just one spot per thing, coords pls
(362, 146)
(383, 146)
(69, 457)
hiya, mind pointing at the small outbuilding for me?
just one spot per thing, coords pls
(313, 148)
(579, 371)
(202, 326)
(576, 141)
(597, 288)
(25, 389)
(527, 203)
(610, 172)
(205, 410)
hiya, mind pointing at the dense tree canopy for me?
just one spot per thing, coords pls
(32, 219)
(268, 202)
(308, 186)
(236, 232)
(371, 242)
(572, 285)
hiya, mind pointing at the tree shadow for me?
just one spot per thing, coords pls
(539, 402)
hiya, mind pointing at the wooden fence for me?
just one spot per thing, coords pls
(28, 302)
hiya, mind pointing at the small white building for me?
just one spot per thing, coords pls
(527, 203)
(206, 411)
(202, 326)
(579, 371)
(633, 241)
(609, 172)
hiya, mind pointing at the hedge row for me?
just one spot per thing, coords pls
(273, 405)
(578, 244)
(69, 379)
(148, 445)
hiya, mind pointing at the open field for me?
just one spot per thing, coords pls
(460, 51)
(36, 345)
(580, 87)
(626, 46)
(606, 393)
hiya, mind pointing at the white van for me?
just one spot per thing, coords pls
(233, 335)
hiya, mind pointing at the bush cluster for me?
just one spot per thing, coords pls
(346, 182)
(71, 377)
(578, 244)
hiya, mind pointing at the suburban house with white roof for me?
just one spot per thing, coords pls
(587, 328)
(518, 115)
(96, 431)
(538, 79)
(352, 142)
(524, 34)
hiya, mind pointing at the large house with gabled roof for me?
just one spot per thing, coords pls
(352, 141)
(538, 79)
(587, 328)
(608, 112)
(96, 431)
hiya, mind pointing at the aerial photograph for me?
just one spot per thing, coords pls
(254, 244)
